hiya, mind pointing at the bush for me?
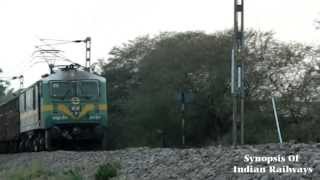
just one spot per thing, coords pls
(107, 171)
(72, 175)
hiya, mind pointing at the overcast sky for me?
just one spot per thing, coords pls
(113, 22)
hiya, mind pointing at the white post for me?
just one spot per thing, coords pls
(276, 117)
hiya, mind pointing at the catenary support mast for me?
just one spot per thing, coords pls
(88, 52)
(237, 74)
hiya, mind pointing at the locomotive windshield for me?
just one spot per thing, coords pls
(65, 89)
(62, 89)
(88, 89)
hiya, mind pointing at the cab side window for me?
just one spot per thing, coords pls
(34, 97)
(29, 100)
(22, 102)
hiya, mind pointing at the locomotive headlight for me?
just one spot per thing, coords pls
(75, 108)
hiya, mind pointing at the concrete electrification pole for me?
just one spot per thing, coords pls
(87, 41)
(237, 74)
(88, 53)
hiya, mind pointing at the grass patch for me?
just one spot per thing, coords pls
(36, 172)
(72, 175)
(33, 172)
(107, 171)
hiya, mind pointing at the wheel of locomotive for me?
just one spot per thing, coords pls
(21, 146)
(35, 144)
(48, 141)
(42, 143)
(28, 145)
(104, 141)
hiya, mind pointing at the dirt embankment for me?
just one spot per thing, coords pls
(287, 161)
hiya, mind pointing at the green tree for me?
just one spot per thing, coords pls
(287, 71)
(121, 73)
(146, 75)
(3, 87)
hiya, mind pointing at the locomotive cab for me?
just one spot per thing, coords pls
(74, 107)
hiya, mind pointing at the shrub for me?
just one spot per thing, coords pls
(107, 171)
(72, 175)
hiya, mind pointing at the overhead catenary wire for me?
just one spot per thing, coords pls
(54, 52)
(5, 77)
(51, 46)
(88, 48)
(48, 39)
(60, 43)
(45, 53)
(24, 66)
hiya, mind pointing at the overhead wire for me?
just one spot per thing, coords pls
(60, 56)
(50, 45)
(48, 39)
(55, 55)
(36, 55)
(61, 43)
(26, 65)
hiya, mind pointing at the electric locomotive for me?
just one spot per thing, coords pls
(66, 107)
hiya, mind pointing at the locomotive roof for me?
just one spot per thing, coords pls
(72, 74)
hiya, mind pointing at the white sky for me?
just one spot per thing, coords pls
(113, 22)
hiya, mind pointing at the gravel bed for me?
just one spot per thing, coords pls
(208, 163)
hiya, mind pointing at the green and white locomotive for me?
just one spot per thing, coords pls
(63, 108)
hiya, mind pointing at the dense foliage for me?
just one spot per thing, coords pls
(3, 87)
(146, 77)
